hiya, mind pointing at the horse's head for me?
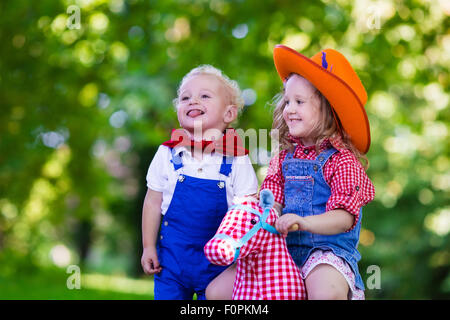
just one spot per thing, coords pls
(244, 227)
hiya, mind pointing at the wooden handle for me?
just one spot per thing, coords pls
(294, 227)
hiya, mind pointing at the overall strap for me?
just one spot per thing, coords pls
(176, 159)
(323, 157)
(225, 167)
(289, 155)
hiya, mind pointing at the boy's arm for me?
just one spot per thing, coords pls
(244, 179)
(151, 219)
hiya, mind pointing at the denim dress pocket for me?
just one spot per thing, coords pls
(298, 193)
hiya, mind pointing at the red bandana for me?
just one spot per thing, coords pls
(230, 144)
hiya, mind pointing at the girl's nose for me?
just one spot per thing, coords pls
(289, 109)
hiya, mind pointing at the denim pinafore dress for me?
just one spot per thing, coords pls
(192, 218)
(306, 193)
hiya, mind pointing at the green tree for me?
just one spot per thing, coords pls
(84, 109)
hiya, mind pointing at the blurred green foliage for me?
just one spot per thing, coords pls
(85, 106)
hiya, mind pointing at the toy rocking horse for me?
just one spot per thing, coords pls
(265, 270)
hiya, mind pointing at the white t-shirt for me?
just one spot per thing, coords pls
(162, 177)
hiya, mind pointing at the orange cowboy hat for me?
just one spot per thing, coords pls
(331, 73)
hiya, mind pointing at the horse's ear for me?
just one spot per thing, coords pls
(266, 199)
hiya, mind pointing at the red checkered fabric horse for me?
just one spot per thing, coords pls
(265, 269)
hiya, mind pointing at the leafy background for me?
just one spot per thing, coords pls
(84, 109)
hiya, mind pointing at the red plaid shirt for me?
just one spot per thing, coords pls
(350, 186)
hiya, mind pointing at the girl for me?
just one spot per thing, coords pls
(318, 183)
(317, 180)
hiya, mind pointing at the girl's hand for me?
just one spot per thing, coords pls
(289, 222)
(149, 261)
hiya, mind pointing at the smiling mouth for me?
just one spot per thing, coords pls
(195, 113)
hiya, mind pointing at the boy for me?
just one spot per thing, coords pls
(191, 184)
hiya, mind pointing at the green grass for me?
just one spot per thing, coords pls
(52, 285)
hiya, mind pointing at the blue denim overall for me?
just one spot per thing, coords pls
(192, 218)
(306, 193)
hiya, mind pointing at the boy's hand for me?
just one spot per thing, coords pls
(289, 222)
(149, 261)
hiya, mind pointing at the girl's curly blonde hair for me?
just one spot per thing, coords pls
(231, 86)
(328, 127)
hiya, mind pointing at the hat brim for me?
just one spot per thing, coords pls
(343, 99)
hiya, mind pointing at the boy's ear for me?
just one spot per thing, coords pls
(230, 114)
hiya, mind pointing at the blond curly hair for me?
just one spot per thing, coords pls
(231, 86)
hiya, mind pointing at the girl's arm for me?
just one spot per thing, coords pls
(151, 219)
(329, 223)
(350, 186)
(278, 208)
(274, 181)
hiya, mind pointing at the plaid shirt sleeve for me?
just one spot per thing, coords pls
(350, 186)
(274, 180)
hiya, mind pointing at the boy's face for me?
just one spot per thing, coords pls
(204, 104)
(301, 111)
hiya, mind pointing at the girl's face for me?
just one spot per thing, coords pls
(301, 111)
(203, 103)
